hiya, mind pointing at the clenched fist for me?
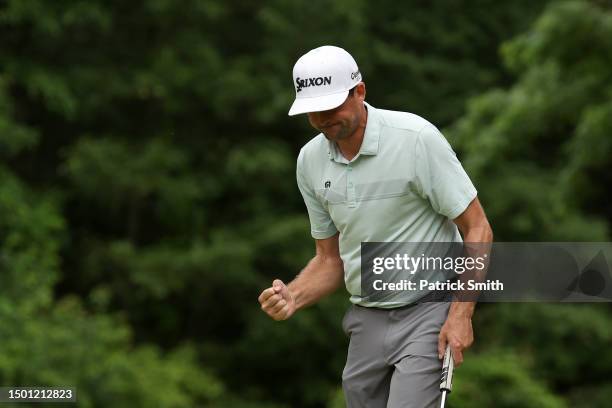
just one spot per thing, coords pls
(277, 301)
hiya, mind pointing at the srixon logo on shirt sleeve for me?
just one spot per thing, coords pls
(305, 83)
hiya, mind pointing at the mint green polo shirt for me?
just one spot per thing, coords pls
(405, 185)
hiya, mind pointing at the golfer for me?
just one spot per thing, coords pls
(374, 175)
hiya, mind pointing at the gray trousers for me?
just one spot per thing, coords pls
(392, 358)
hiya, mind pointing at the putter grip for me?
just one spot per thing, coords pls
(446, 382)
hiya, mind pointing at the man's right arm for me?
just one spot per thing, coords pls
(322, 276)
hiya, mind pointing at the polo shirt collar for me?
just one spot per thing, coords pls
(371, 138)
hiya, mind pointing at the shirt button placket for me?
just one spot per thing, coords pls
(350, 187)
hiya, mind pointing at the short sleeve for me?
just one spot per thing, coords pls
(439, 176)
(321, 224)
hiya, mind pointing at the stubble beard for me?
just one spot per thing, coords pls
(344, 132)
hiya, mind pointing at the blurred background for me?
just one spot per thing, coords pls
(147, 189)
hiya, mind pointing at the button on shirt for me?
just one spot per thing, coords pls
(405, 185)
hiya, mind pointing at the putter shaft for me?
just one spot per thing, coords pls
(443, 399)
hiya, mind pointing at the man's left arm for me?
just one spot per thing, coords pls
(457, 330)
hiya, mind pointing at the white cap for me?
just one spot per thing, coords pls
(322, 79)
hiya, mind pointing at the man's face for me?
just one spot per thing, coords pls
(341, 122)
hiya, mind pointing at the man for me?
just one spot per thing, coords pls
(377, 176)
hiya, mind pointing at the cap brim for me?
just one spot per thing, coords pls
(317, 104)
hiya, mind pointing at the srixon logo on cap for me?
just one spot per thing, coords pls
(305, 83)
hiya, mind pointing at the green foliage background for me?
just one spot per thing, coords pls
(147, 189)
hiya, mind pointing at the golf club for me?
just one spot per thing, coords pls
(446, 382)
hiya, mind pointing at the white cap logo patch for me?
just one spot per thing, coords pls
(304, 83)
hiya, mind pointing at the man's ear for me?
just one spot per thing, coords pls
(360, 91)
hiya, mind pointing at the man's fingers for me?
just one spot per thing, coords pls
(281, 314)
(441, 345)
(271, 302)
(456, 350)
(280, 311)
(275, 300)
(458, 358)
(457, 354)
(265, 295)
(278, 306)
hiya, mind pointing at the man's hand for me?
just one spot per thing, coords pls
(456, 331)
(277, 301)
